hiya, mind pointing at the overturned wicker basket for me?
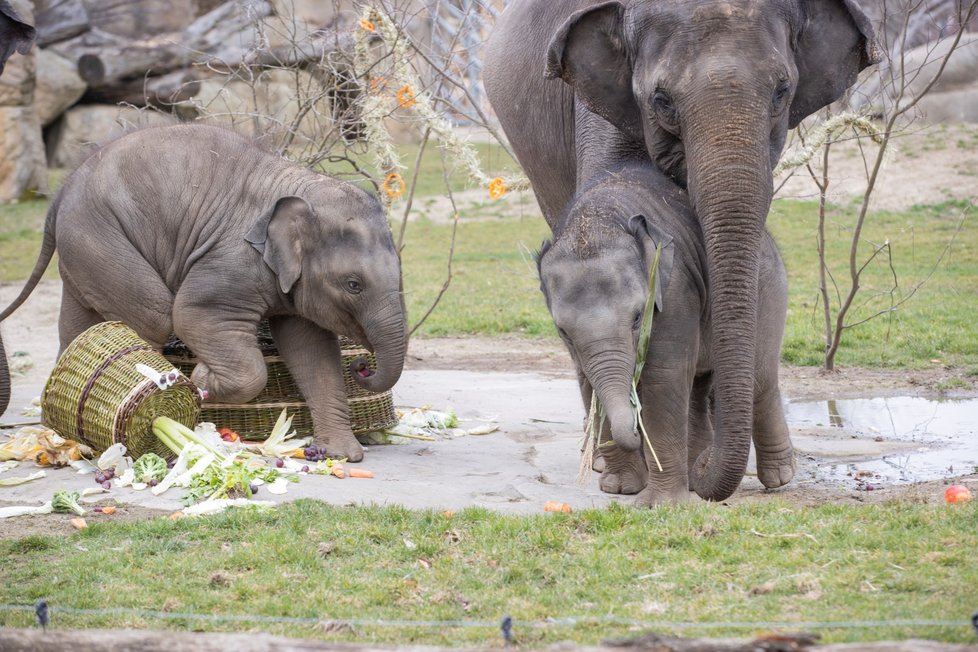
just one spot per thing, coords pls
(369, 411)
(97, 395)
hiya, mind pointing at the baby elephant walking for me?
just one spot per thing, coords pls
(194, 230)
(594, 276)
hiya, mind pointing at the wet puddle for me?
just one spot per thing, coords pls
(898, 440)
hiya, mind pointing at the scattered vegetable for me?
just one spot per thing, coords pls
(11, 482)
(228, 435)
(149, 468)
(43, 446)
(67, 501)
(280, 442)
(555, 506)
(112, 458)
(360, 473)
(79, 523)
(25, 510)
(957, 493)
(108, 509)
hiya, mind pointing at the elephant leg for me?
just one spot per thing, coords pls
(130, 291)
(772, 444)
(313, 357)
(700, 417)
(74, 318)
(230, 365)
(665, 391)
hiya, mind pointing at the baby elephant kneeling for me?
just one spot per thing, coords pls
(195, 230)
(594, 275)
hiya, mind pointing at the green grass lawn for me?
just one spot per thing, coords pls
(705, 564)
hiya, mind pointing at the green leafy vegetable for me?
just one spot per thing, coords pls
(67, 501)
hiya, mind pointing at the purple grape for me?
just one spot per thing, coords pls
(100, 477)
(253, 488)
(153, 482)
(109, 473)
(279, 462)
(97, 508)
(106, 485)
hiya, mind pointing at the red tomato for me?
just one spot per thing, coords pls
(957, 493)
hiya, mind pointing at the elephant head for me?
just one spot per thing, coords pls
(16, 35)
(711, 88)
(594, 277)
(341, 273)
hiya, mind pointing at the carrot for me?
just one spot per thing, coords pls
(79, 523)
(108, 509)
(338, 470)
(176, 516)
(555, 506)
(360, 473)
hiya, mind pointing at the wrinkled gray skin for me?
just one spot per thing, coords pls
(15, 36)
(707, 89)
(194, 230)
(594, 275)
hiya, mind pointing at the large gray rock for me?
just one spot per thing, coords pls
(960, 105)
(140, 18)
(84, 127)
(58, 86)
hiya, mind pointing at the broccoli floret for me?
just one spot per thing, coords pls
(149, 466)
(67, 501)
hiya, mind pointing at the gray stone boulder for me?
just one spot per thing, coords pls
(82, 128)
(57, 88)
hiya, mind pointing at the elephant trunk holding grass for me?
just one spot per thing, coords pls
(707, 89)
(196, 231)
(594, 275)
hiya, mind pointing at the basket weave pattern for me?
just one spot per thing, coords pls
(255, 419)
(95, 394)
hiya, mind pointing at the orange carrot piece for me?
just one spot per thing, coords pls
(338, 471)
(79, 523)
(360, 473)
(556, 506)
(108, 509)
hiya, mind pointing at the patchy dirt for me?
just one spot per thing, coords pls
(60, 524)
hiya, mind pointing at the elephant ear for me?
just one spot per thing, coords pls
(277, 236)
(589, 53)
(649, 237)
(836, 41)
(15, 33)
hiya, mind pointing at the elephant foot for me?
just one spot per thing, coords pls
(624, 473)
(651, 497)
(598, 465)
(776, 471)
(341, 447)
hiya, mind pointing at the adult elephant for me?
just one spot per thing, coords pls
(708, 89)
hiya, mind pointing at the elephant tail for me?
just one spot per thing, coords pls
(43, 259)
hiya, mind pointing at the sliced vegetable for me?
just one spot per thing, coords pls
(112, 458)
(360, 473)
(11, 482)
(279, 444)
(79, 523)
(25, 510)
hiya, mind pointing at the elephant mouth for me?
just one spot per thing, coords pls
(361, 368)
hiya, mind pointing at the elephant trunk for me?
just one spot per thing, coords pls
(385, 329)
(730, 185)
(4, 379)
(609, 365)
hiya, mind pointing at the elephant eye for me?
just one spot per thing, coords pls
(637, 322)
(781, 93)
(663, 106)
(353, 286)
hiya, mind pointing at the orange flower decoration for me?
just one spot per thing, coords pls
(368, 26)
(394, 185)
(378, 84)
(405, 96)
(497, 188)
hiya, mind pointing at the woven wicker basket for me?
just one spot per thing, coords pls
(254, 420)
(97, 396)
